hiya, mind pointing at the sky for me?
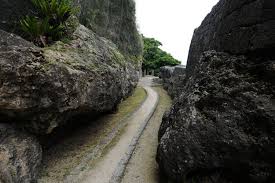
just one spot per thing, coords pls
(172, 22)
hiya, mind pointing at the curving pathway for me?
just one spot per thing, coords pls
(110, 168)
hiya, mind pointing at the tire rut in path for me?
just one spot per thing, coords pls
(110, 168)
(79, 148)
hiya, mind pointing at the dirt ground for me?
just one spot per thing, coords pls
(110, 167)
(142, 167)
(93, 153)
(93, 138)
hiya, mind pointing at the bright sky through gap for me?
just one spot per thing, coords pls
(172, 22)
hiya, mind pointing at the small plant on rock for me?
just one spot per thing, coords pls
(48, 24)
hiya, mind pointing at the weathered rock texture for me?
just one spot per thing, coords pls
(237, 27)
(112, 19)
(222, 126)
(20, 156)
(44, 88)
(173, 79)
(11, 12)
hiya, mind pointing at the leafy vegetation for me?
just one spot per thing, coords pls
(48, 24)
(154, 57)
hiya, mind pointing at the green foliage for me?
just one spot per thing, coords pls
(48, 24)
(31, 25)
(154, 57)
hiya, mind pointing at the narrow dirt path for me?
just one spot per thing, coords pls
(142, 167)
(111, 166)
(98, 152)
(78, 148)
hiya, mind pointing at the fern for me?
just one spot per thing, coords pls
(31, 25)
(49, 25)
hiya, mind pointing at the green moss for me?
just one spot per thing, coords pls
(135, 60)
(46, 66)
(118, 57)
(72, 23)
(66, 40)
(57, 46)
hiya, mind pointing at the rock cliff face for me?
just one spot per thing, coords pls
(236, 27)
(112, 19)
(173, 79)
(222, 126)
(42, 89)
(11, 12)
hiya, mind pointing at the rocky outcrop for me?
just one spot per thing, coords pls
(112, 19)
(221, 128)
(11, 12)
(42, 89)
(173, 79)
(20, 156)
(223, 122)
(236, 27)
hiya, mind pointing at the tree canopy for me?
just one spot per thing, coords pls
(154, 57)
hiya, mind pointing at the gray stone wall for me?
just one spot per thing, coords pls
(236, 27)
(221, 127)
(112, 19)
(173, 79)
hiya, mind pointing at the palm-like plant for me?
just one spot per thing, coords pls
(31, 25)
(59, 10)
(49, 24)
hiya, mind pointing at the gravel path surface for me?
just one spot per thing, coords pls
(142, 167)
(110, 167)
(74, 151)
(119, 147)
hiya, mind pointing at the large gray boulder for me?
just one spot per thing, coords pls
(221, 128)
(41, 89)
(222, 123)
(20, 156)
(173, 79)
(166, 73)
(63, 84)
(237, 27)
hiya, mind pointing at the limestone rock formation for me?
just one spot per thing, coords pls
(222, 126)
(173, 79)
(112, 19)
(20, 156)
(42, 89)
(236, 27)
(11, 12)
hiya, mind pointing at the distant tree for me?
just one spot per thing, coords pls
(154, 57)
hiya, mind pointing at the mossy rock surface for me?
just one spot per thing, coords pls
(42, 89)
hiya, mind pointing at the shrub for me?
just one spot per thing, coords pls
(154, 57)
(48, 24)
